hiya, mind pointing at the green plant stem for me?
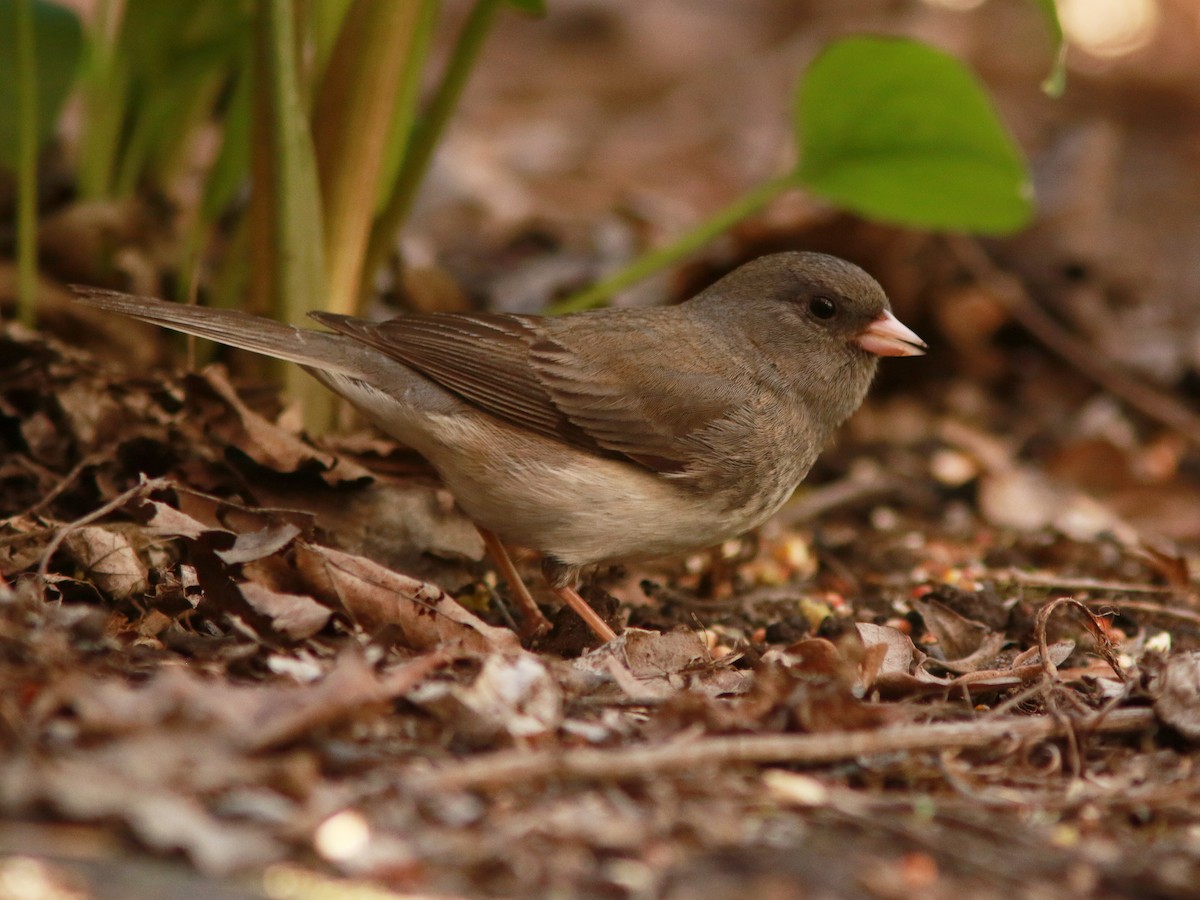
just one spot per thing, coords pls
(355, 107)
(27, 187)
(428, 131)
(406, 109)
(746, 205)
(104, 90)
(286, 170)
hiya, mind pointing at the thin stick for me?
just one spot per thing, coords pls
(67, 480)
(509, 767)
(1032, 579)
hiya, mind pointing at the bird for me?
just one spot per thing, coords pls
(607, 436)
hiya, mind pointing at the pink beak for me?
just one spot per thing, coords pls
(888, 336)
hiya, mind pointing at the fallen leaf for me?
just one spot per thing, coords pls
(965, 645)
(273, 447)
(1177, 694)
(257, 544)
(295, 615)
(375, 597)
(513, 695)
(110, 560)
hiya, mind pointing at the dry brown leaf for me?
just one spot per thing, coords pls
(1177, 689)
(221, 514)
(376, 597)
(900, 655)
(513, 695)
(167, 521)
(966, 645)
(295, 615)
(652, 665)
(271, 446)
(110, 560)
(254, 545)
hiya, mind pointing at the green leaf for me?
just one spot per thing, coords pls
(1056, 81)
(58, 43)
(898, 131)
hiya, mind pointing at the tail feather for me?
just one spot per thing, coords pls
(317, 349)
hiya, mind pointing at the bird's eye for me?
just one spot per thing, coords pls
(822, 307)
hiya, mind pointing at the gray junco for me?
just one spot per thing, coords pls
(604, 436)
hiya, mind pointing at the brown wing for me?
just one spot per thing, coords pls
(605, 383)
(640, 384)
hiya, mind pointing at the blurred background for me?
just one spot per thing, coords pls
(604, 128)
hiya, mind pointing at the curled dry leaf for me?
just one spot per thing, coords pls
(295, 615)
(391, 521)
(1177, 694)
(273, 447)
(965, 645)
(167, 521)
(512, 694)
(375, 597)
(110, 560)
(649, 665)
(900, 654)
(223, 514)
(256, 544)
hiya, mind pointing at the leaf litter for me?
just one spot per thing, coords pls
(962, 662)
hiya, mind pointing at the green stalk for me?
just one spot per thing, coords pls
(105, 88)
(428, 132)
(292, 214)
(27, 186)
(325, 19)
(406, 111)
(352, 124)
(750, 203)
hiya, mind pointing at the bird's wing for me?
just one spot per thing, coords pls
(607, 384)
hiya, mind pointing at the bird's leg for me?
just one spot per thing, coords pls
(560, 578)
(591, 618)
(533, 622)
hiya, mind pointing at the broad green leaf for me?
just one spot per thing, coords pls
(1056, 81)
(898, 131)
(58, 44)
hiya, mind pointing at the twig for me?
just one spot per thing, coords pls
(515, 766)
(67, 480)
(1030, 579)
(140, 489)
(1008, 290)
(1117, 587)
(1157, 609)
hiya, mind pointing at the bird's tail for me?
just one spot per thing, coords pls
(317, 349)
